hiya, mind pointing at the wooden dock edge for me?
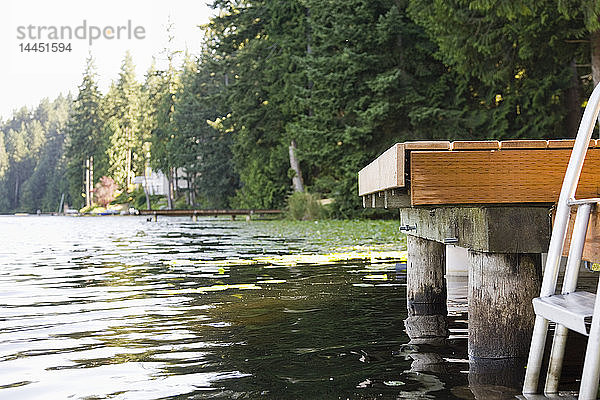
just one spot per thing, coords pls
(389, 170)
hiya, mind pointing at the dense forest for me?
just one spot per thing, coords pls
(327, 85)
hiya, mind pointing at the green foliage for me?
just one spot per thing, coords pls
(117, 151)
(303, 206)
(516, 60)
(373, 82)
(181, 203)
(137, 199)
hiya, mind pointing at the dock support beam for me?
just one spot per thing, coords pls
(501, 286)
(505, 246)
(426, 291)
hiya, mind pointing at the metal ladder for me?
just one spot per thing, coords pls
(571, 309)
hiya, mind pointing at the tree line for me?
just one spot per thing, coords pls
(311, 90)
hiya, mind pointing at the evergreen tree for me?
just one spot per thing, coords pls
(53, 160)
(43, 189)
(123, 125)
(16, 147)
(3, 156)
(373, 81)
(84, 137)
(256, 47)
(149, 102)
(204, 149)
(164, 149)
(4, 165)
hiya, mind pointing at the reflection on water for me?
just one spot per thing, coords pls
(101, 308)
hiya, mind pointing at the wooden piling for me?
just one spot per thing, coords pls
(426, 285)
(501, 287)
(486, 375)
(426, 291)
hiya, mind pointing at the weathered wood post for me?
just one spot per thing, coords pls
(426, 291)
(487, 374)
(501, 286)
(426, 286)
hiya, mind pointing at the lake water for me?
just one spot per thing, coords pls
(124, 308)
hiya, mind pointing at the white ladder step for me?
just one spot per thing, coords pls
(573, 310)
(549, 396)
(578, 202)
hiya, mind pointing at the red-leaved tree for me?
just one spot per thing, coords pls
(104, 191)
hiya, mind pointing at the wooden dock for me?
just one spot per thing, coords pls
(210, 213)
(494, 198)
(489, 172)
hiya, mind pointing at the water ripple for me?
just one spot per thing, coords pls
(104, 308)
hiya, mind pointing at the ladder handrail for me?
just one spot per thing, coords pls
(559, 232)
(567, 192)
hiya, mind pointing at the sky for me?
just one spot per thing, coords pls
(28, 77)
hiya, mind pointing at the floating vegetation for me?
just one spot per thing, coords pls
(212, 263)
(291, 260)
(382, 277)
(394, 383)
(272, 281)
(216, 288)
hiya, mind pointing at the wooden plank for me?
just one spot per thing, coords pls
(561, 144)
(566, 143)
(591, 250)
(523, 144)
(368, 178)
(494, 229)
(391, 167)
(497, 177)
(385, 172)
(428, 145)
(476, 145)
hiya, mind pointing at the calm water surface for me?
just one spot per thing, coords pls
(122, 308)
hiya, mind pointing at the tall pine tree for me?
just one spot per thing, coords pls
(84, 142)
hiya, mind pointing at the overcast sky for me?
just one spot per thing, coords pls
(27, 77)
